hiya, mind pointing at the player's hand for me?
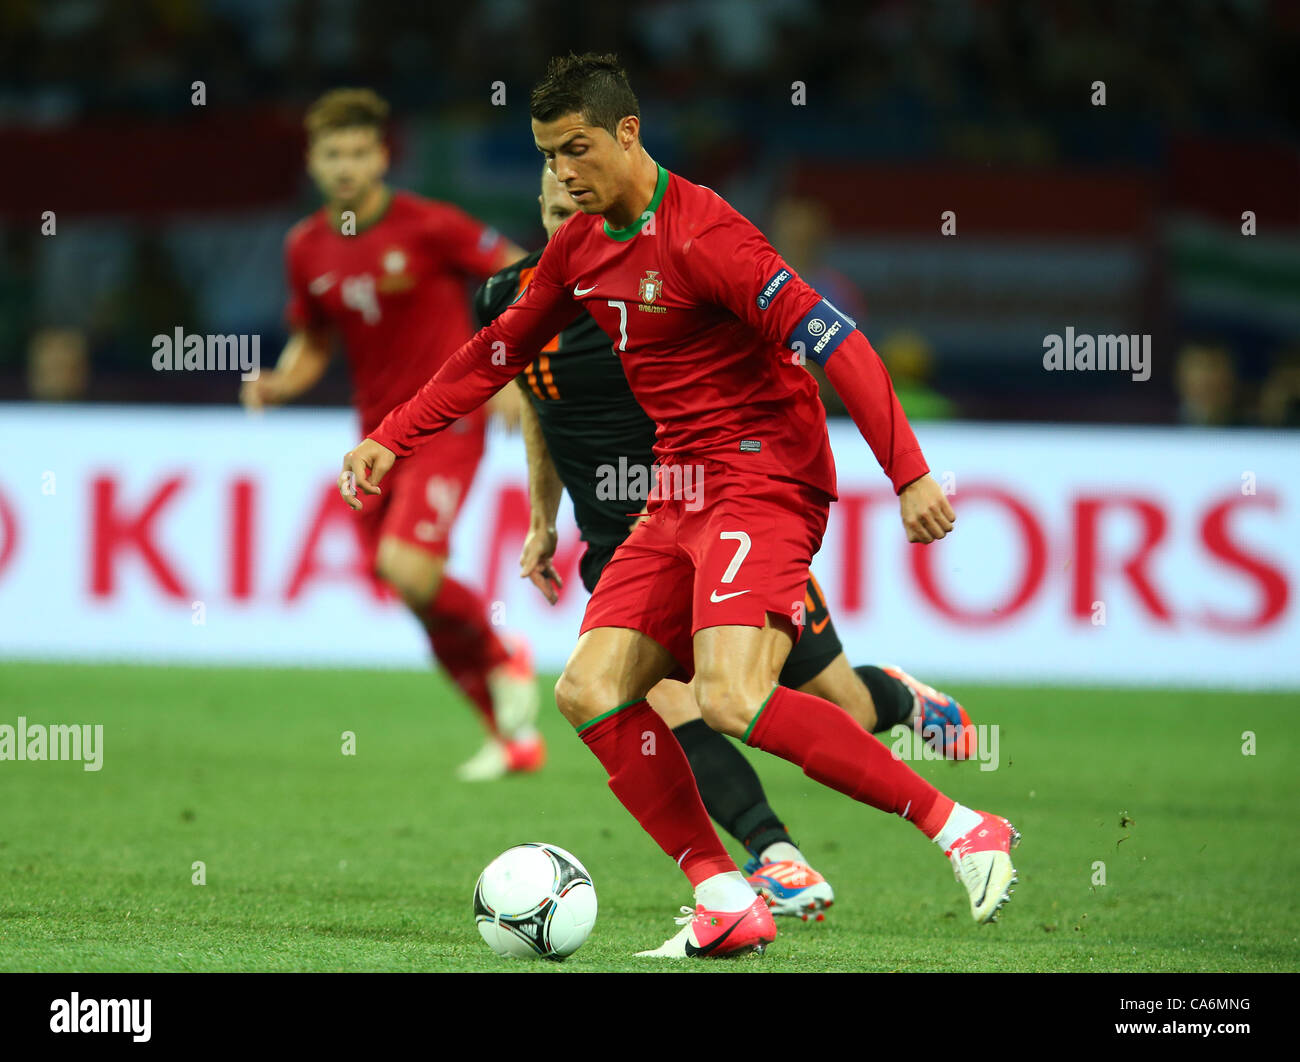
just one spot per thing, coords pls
(927, 515)
(264, 391)
(364, 466)
(506, 407)
(535, 561)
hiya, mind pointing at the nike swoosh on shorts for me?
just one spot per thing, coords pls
(716, 599)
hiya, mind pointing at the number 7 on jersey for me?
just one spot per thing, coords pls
(621, 306)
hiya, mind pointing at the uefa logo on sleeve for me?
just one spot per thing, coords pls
(765, 297)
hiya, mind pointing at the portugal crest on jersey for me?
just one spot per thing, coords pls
(651, 286)
(395, 278)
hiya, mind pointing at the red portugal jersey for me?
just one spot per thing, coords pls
(395, 292)
(710, 324)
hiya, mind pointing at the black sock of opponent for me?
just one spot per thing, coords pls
(892, 698)
(730, 788)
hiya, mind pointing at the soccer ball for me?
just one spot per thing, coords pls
(535, 900)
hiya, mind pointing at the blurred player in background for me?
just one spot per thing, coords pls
(385, 271)
(581, 417)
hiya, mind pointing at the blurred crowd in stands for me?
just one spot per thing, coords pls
(1204, 60)
(957, 82)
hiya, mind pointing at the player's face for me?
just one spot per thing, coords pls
(593, 167)
(557, 205)
(346, 164)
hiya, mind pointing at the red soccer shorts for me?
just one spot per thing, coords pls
(741, 551)
(424, 492)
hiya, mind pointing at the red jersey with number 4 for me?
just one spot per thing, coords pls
(395, 292)
(710, 324)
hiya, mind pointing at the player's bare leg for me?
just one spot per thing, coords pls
(736, 670)
(414, 574)
(602, 693)
(609, 666)
(497, 679)
(838, 683)
(674, 702)
(733, 665)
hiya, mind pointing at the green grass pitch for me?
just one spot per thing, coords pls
(319, 861)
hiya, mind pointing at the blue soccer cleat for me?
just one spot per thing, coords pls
(938, 718)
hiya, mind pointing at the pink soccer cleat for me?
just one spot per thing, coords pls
(719, 934)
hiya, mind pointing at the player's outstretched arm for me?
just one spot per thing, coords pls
(302, 363)
(485, 362)
(544, 492)
(862, 382)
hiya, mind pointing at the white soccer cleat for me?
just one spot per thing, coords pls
(486, 765)
(513, 686)
(981, 860)
(497, 758)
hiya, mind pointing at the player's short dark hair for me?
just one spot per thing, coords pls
(346, 108)
(592, 85)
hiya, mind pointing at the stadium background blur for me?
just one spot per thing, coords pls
(1121, 219)
(947, 172)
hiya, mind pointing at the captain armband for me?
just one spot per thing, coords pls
(822, 329)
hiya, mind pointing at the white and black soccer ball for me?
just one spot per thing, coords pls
(535, 901)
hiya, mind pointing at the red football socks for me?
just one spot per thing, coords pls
(650, 775)
(464, 642)
(833, 749)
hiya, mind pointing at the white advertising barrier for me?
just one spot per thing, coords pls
(1081, 555)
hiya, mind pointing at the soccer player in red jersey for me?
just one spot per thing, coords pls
(386, 271)
(581, 423)
(711, 326)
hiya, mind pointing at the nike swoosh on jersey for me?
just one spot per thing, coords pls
(817, 628)
(716, 599)
(321, 284)
(579, 292)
